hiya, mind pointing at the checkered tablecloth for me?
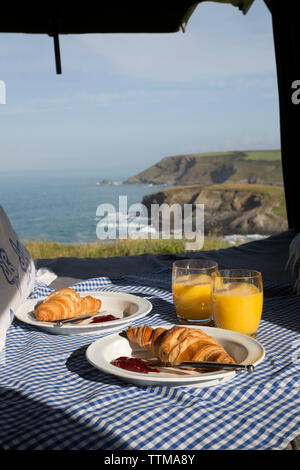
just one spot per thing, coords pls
(52, 398)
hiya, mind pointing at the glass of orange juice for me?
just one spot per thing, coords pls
(192, 288)
(237, 300)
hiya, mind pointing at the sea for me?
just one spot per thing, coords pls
(63, 205)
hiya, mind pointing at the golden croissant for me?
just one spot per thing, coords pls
(65, 303)
(178, 344)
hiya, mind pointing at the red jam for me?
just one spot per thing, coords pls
(104, 318)
(133, 364)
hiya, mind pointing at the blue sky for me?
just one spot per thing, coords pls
(124, 102)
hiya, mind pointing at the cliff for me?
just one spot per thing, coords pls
(261, 167)
(231, 208)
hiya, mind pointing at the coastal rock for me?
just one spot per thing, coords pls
(252, 167)
(230, 208)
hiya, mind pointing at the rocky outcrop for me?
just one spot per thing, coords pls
(262, 167)
(230, 209)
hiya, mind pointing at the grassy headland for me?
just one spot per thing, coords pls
(258, 166)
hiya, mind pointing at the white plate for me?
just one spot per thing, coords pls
(244, 349)
(126, 307)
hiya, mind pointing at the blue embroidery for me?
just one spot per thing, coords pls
(23, 259)
(9, 270)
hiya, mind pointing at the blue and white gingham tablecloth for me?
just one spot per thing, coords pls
(52, 398)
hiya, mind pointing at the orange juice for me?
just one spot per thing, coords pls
(192, 296)
(237, 306)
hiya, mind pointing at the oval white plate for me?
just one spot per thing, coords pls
(244, 349)
(126, 307)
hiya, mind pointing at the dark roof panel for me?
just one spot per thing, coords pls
(102, 17)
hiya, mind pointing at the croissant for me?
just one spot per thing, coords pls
(178, 344)
(65, 303)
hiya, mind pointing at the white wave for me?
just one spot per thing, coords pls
(232, 239)
(148, 229)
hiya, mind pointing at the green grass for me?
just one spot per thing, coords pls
(268, 189)
(41, 249)
(248, 154)
(271, 155)
(209, 154)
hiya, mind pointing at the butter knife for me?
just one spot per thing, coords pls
(72, 320)
(216, 365)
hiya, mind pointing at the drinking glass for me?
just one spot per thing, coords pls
(237, 300)
(192, 288)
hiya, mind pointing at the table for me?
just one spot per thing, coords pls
(59, 401)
